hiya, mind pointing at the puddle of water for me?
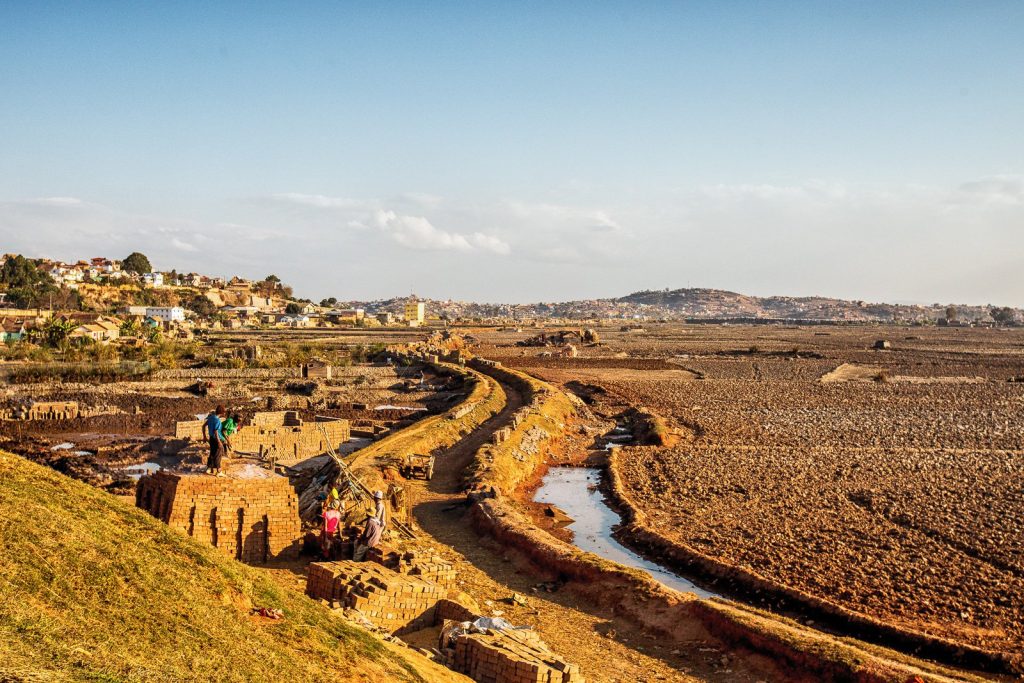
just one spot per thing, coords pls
(66, 446)
(574, 491)
(136, 472)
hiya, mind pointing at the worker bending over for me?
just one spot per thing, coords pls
(374, 529)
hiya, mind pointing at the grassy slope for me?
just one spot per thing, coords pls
(93, 589)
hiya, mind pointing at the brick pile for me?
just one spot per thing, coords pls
(431, 568)
(391, 601)
(252, 519)
(512, 656)
(281, 433)
(40, 410)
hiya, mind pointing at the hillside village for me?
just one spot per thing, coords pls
(105, 300)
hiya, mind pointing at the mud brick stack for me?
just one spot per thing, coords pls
(252, 519)
(282, 432)
(54, 410)
(385, 555)
(432, 568)
(510, 657)
(392, 601)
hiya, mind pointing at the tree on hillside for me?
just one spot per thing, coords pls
(292, 308)
(202, 306)
(268, 286)
(137, 263)
(57, 332)
(328, 302)
(25, 284)
(952, 314)
(1003, 315)
(130, 327)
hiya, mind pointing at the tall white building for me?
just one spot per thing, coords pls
(166, 314)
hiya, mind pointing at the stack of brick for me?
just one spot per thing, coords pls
(253, 520)
(432, 568)
(49, 410)
(282, 433)
(512, 656)
(391, 601)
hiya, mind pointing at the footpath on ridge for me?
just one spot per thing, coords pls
(607, 647)
(615, 622)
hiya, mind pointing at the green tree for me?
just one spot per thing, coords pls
(292, 308)
(952, 314)
(1003, 315)
(328, 302)
(268, 285)
(130, 328)
(137, 263)
(57, 332)
(202, 306)
(25, 284)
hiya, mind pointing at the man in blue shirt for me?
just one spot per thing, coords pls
(213, 431)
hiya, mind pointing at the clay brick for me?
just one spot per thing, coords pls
(252, 520)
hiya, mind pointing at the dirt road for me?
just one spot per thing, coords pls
(607, 648)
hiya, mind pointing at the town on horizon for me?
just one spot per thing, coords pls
(133, 287)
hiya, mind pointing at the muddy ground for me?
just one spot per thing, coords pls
(896, 489)
(125, 424)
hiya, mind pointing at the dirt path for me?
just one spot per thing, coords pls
(607, 648)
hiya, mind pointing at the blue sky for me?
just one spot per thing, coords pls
(523, 152)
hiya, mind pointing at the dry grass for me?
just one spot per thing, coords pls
(93, 589)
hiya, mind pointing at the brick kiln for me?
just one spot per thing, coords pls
(251, 519)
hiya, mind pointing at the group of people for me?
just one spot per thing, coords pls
(218, 430)
(373, 529)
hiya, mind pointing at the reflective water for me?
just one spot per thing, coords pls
(136, 472)
(574, 491)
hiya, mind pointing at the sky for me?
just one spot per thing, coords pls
(522, 152)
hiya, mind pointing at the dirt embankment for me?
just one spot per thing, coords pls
(433, 434)
(499, 469)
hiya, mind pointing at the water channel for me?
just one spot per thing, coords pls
(574, 491)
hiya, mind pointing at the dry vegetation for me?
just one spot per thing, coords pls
(93, 589)
(896, 492)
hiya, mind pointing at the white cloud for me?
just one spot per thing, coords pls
(181, 245)
(318, 200)
(416, 232)
(423, 199)
(999, 190)
(55, 201)
(490, 243)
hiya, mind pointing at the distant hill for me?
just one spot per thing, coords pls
(709, 304)
(93, 589)
(719, 303)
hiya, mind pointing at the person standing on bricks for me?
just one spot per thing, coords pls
(213, 431)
